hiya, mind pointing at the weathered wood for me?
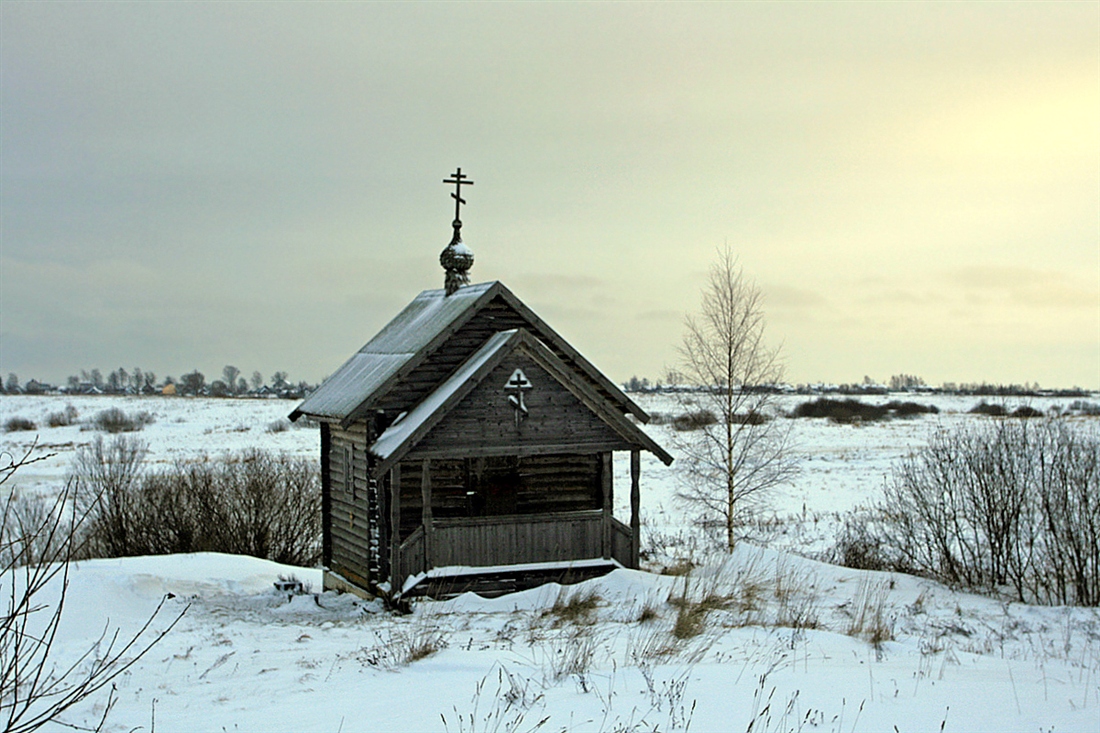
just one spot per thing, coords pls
(326, 497)
(543, 479)
(426, 509)
(485, 418)
(411, 558)
(506, 540)
(606, 478)
(395, 527)
(348, 529)
(475, 451)
(621, 543)
(635, 506)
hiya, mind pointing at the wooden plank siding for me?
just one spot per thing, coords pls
(495, 316)
(623, 548)
(486, 420)
(348, 521)
(506, 540)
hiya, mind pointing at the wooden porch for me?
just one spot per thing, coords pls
(546, 544)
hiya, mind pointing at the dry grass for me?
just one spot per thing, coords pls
(868, 617)
(404, 641)
(690, 621)
(679, 568)
(573, 606)
(648, 613)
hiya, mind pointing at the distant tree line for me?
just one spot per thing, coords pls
(138, 381)
(897, 383)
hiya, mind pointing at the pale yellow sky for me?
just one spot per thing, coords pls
(915, 186)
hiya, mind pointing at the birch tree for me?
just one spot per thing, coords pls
(729, 465)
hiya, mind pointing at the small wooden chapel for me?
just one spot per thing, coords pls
(468, 446)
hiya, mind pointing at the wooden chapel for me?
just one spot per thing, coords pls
(468, 446)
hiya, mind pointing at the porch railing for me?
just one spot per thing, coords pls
(515, 539)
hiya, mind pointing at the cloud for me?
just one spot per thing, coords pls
(791, 297)
(1026, 287)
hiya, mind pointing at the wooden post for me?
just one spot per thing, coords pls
(395, 528)
(426, 514)
(635, 505)
(605, 481)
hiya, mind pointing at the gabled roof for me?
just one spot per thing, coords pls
(411, 337)
(405, 432)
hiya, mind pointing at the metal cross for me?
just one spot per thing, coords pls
(459, 180)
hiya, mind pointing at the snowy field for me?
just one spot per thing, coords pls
(783, 643)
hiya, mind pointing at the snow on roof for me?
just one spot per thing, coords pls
(393, 347)
(400, 430)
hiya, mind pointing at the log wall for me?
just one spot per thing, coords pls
(354, 538)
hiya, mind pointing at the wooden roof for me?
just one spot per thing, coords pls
(402, 436)
(414, 335)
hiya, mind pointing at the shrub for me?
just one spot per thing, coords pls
(278, 426)
(694, 420)
(15, 424)
(114, 420)
(908, 409)
(249, 503)
(1084, 407)
(860, 546)
(984, 408)
(1006, 507)
(852, 411)
(63, 418)
(1026, 411)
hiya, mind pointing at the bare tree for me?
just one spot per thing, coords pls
(36, 686)
(229, 376)
(278, 381)
(257, 380)
(731, 461)
(193, 382)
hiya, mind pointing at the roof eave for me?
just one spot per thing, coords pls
(589, 369)
(418, 358)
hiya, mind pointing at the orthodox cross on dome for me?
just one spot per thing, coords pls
(456, 258)
(459, 180)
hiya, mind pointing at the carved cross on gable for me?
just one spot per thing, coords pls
(518, 383)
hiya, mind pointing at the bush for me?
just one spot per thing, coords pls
(1026, 411)
(248, 503)
(859, 546)
(278, 426)
(63, 418)
(15, 424)
(114, 420)
(1006, 507)
(852, 411)
(694, 420)
(1083, 407)
(984, 408)
(909, 409)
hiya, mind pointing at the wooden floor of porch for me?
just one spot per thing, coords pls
(492, 581)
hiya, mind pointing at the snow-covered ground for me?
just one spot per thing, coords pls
(786, 643)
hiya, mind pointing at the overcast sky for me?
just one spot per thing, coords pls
(914, 186)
